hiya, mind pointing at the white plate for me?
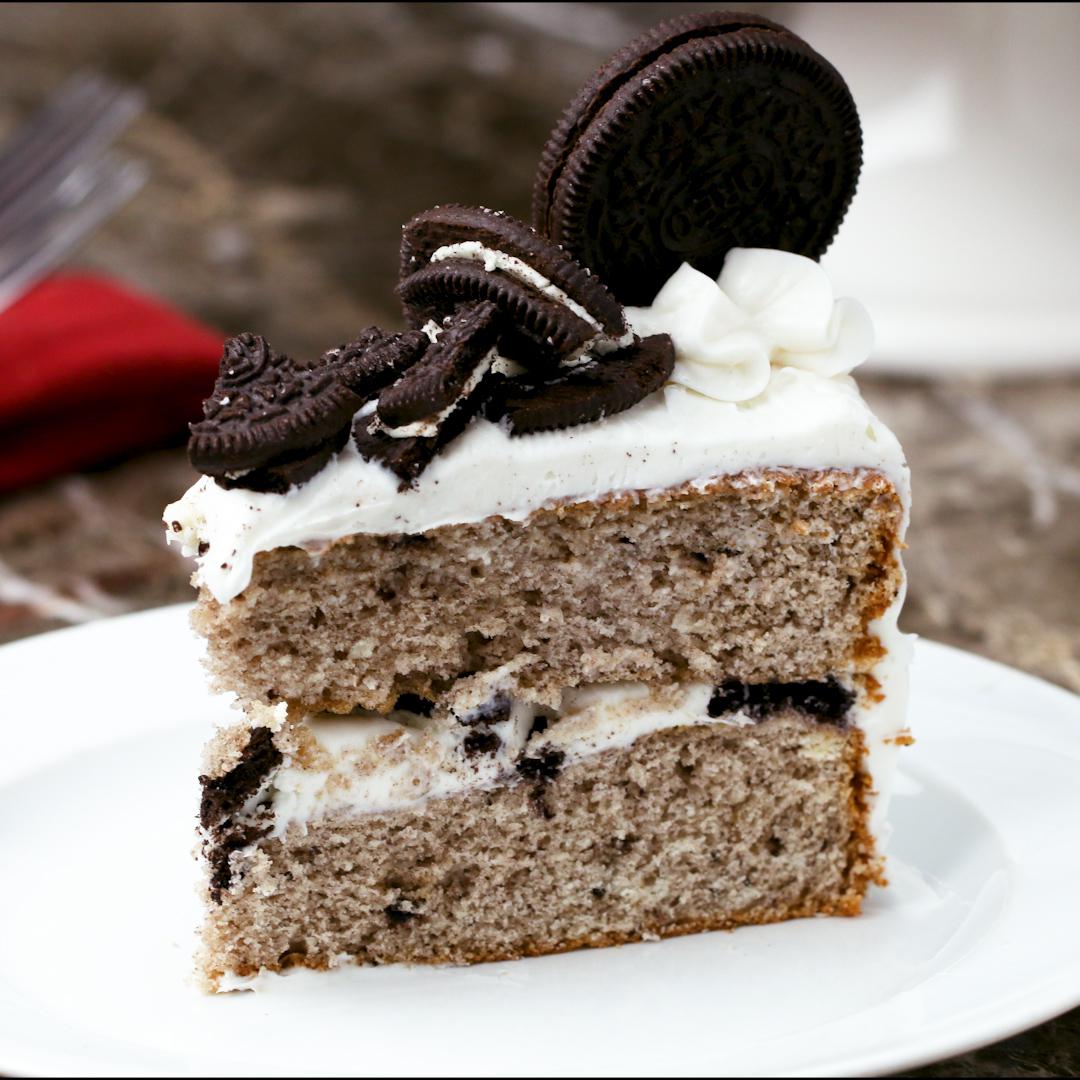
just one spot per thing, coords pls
(975, 940)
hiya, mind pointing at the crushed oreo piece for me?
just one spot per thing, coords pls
(433, 385)
(481, 742)
(407, 458)
(267, 415)
(731, 696)
(414, 703)
(539, 724)
(494, 711)
(827, 701)
(376, 358)
(610, 384)
(402, 911)
(543, 767)
(219, 856)
(223, 796)
(551, 330)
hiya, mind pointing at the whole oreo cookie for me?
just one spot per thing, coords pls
(606, 386)
(270, 422)
(453, 256)
(708, 133)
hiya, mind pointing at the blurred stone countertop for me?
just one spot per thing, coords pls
(287, 145)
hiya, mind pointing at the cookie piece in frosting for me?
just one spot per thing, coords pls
(603, 387)
(540, 332)
(710, 132)
(271, 421)
(459, 359)
(376, 358)
(408, 457)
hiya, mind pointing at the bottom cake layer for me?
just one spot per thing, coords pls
(685, 829)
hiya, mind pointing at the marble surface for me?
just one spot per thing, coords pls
(288, 143)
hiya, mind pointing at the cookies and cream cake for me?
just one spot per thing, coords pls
(555, 621)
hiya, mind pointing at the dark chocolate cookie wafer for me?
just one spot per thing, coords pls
(606, 386)
(497, 233)
(290, 469)
(407, 458)
(542, 332)
(601, 87)
(431, 387)
(700, 137)
(376, 358)
(271, 421)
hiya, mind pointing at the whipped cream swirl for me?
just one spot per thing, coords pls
(767, 309)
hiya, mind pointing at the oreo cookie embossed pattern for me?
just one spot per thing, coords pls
(271, 422)
(710, 132)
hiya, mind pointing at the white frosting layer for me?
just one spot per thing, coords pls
(884, 721)
(768, 309)
(377, 765)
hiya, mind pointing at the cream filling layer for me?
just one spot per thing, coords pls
(377, 765)
(370, 764)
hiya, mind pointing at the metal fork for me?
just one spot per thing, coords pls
(55, 183)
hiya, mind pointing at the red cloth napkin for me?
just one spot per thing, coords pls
(90, 370)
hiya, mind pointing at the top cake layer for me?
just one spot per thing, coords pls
(760, 381)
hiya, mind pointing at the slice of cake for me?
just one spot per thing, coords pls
(556, 623)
